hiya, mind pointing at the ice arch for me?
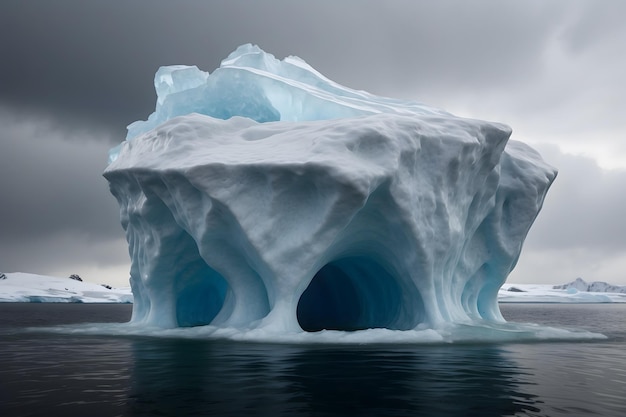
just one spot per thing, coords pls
(357, 293)
(321, 208)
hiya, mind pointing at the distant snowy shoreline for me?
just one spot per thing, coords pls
(32, 288)
(577, 291)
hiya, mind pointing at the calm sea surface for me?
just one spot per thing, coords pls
(56, 374)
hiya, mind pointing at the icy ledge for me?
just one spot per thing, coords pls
(313, 206)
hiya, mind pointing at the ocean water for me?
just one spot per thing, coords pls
(56, 373)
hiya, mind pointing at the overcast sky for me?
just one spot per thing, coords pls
(73, 74)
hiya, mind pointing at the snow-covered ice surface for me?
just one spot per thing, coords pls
(447, 333)
(264, 201)
(22, 287)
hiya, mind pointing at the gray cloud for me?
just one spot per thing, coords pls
(56, 213)
(583, 208)
(594, 24)
(96, 60)
(579, 231)
(75, 73)
(50, 180)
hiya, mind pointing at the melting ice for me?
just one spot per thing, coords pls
(265, 199)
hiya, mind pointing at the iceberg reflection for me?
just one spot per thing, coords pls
(192, 377)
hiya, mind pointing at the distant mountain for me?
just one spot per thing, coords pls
(596, 286)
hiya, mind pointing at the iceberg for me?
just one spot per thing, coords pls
(265, 197)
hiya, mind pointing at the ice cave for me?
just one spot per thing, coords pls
(266, 196)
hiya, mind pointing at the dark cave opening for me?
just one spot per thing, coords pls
(200, 296)
(353, 293)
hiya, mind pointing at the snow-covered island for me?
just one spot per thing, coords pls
(577, 291)
(32, 288)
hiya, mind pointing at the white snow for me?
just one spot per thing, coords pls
(545, 293)
(22, 287)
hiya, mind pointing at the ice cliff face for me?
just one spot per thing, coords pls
(266, 196)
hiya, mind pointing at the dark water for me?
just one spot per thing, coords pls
(50, 374)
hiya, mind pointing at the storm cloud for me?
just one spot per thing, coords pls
(75, 73)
